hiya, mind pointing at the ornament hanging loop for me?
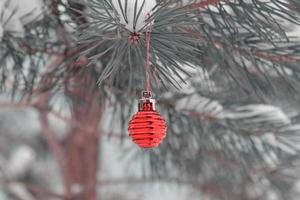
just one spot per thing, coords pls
(148, 39)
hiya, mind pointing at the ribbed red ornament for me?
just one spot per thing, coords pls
(147, 128)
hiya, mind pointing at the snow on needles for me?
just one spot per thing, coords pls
(14, 14)
(258, 117)
(133, 8)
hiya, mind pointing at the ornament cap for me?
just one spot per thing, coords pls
(146, 103)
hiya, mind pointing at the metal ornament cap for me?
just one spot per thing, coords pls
(147, 128)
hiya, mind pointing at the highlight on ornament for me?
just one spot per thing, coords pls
(147, 128)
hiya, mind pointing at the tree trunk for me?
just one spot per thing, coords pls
(83, 141)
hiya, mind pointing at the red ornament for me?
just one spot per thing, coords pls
(147, 128)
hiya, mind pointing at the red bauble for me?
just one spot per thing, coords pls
(147, 128)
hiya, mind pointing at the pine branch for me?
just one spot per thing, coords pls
(203, 4)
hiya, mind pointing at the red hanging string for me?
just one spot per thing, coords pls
(148, 38)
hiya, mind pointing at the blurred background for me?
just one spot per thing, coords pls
(225, 75)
